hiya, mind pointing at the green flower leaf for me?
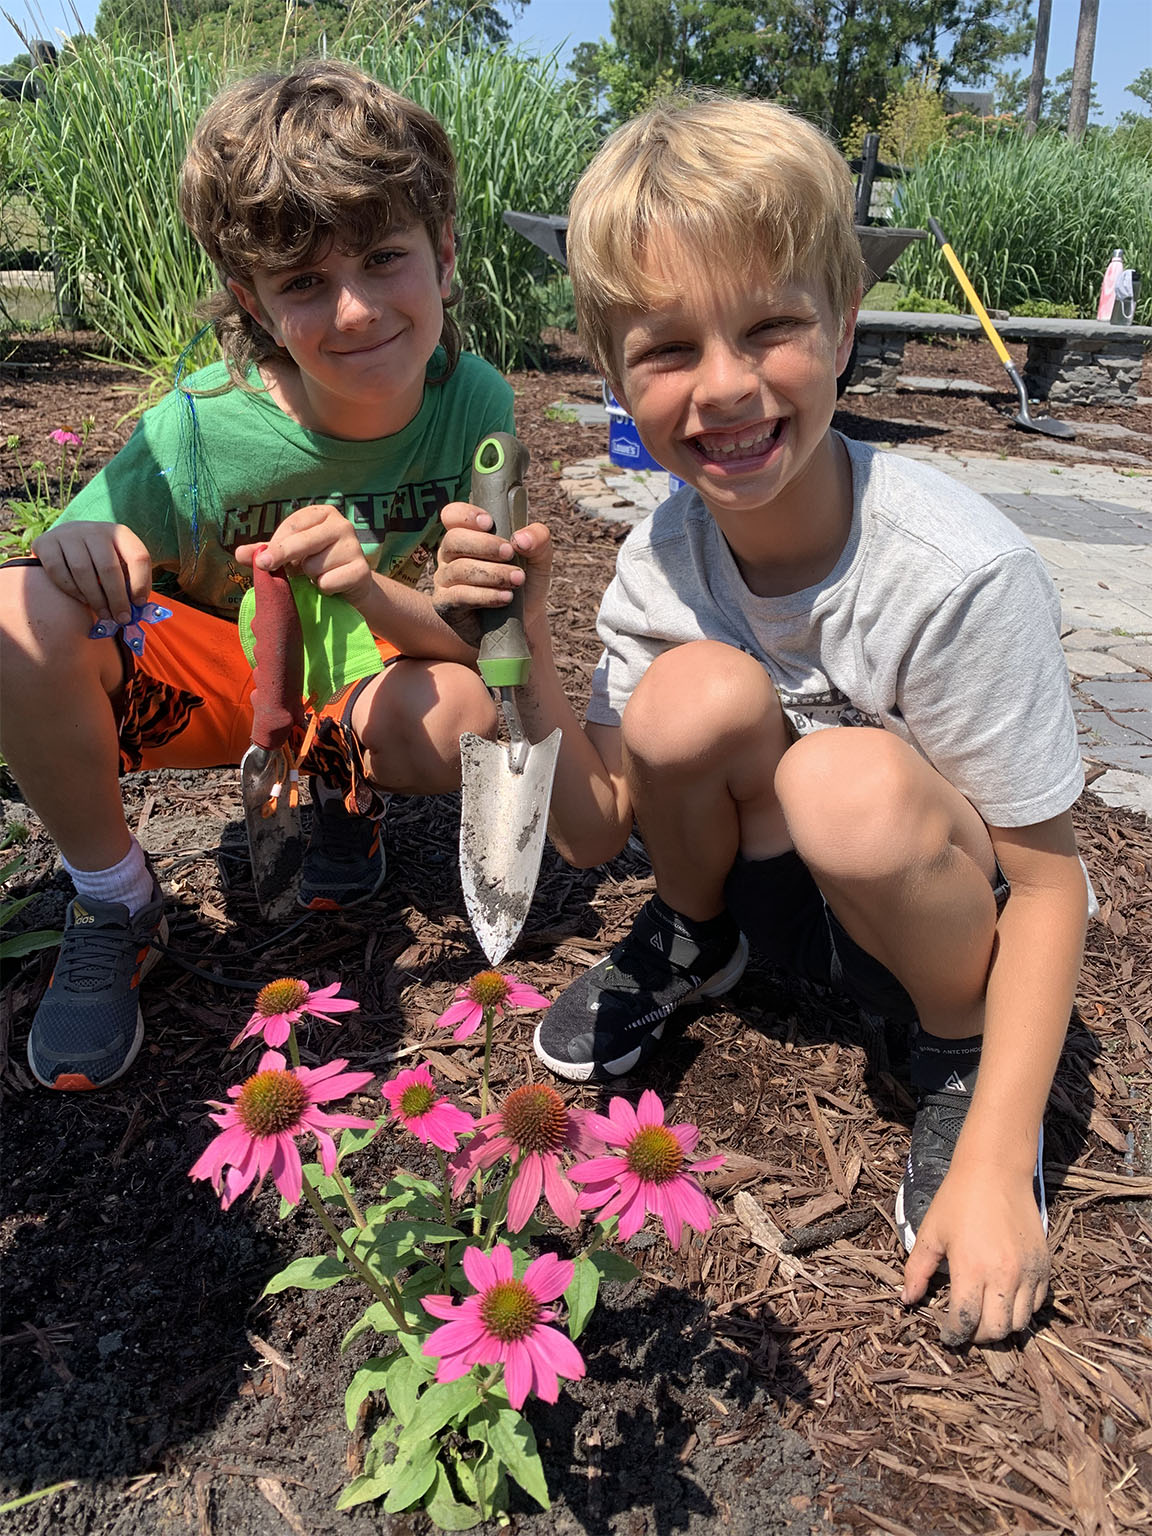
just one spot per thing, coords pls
(21, 944)
(613, 1265)
(313, 1274)
(325, 1187)
(413, 1473)
(581, 1295)
(444, 1508)
(405, 1180)
(491, 1484)
(510, 1436)
(355, 1139)
(363, 1488)
(413, 1346)
(369, 1378)
(396, 1239)
(442, 1403)
(377, 1316)
(402, 1385)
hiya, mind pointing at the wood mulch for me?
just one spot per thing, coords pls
(803, 1269)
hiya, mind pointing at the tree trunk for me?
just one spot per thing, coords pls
(1039, 66)
(1082, 70)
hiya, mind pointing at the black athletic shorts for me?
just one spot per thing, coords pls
(787, 922)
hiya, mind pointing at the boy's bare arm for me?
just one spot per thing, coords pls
(984, 1218)
(591, 814)
(320, 543)
(105, 565)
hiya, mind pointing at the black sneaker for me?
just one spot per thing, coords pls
(88, 1027)
(943, 1078)
(603, 1024)
(344, 861)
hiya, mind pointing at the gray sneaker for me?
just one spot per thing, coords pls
(88, 1027)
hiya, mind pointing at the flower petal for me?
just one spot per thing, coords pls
(559, 1194)
(524, 1196)
(462, 1008)
(650, 1110)
(549, 1276)
(523, 996)
(518, 1372)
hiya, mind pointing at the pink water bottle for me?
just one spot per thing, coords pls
(1108, 287)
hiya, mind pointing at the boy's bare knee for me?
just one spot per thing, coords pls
(411, 721)
(854, 803)
(695, 702)
(42, 628)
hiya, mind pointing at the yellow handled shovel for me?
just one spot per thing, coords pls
(1023, 417)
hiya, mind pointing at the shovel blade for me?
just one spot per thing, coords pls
(274, 841)
(503, 818)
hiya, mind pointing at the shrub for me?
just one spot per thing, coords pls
(1044, 309)
(921, 303)
(1029, 219)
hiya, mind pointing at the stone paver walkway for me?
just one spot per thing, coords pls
(1093, 527)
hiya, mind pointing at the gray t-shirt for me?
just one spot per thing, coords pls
(938, 622)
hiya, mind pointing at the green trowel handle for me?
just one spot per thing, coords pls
(498, 488)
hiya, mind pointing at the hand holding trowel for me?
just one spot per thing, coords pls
(268, 778)
(504, 790)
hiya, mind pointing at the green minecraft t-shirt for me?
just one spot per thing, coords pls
(205, 472)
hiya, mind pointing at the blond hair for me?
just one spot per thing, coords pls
(746, 186)
(281, 167)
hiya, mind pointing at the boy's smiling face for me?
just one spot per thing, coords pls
(360, 329)
(732, 385)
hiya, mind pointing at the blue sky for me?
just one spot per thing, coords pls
(1123, 35)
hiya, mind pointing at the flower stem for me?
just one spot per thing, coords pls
(345, 1189)
(293, 1048)
(500, 1207)
(353, 1259)
(445, 1187)
(489, 1018)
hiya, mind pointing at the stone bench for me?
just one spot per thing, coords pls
(1072, 362)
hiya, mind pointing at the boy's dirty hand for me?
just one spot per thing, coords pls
(989, 1230)
(105, 565)
(475, 569)
(320, 543)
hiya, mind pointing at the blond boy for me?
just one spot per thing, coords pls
(832, 693)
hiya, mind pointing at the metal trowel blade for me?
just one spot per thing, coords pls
(503, 818)
(274, 840)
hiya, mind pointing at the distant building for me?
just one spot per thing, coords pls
(979, 103)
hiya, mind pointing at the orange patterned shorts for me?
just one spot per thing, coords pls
(186, 703)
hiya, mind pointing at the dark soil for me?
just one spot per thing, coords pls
(732, 1387)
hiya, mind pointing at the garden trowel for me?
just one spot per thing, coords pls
(505, 790)
(269, 781)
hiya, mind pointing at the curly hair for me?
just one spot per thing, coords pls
(281, 167)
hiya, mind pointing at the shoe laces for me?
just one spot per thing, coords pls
(91, 959)
(940, 1119)
(344, 836)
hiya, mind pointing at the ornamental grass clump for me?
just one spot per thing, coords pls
(472, 1314)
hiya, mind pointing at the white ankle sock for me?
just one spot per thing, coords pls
(129, 882)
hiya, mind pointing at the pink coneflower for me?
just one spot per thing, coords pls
(412, 1099)
(505, 1324)
(63, 438)
(534, 1126)
(258, 1131)
(281, 1003)
(487, 990)
(649, 1173)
